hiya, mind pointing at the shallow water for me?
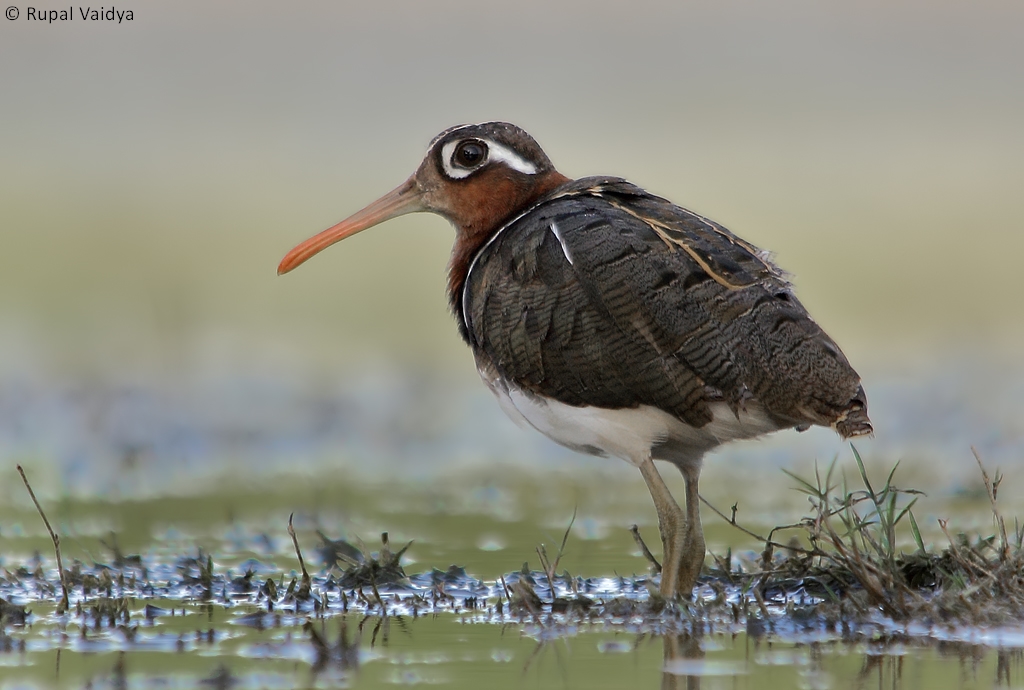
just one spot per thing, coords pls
(453, 652)
(452, 628)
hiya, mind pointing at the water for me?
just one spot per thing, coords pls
(454, 652)
(159, 621)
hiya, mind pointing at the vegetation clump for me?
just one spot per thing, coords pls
(11, 614)
(846, 553)
(358, 567)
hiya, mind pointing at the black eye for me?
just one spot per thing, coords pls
(470, 153)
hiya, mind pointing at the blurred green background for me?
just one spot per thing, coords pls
(153, 173)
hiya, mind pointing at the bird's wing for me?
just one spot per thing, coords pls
(606, 295)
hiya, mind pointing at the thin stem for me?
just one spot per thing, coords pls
(64, 602)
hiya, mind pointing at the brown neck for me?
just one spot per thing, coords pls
(489, 211)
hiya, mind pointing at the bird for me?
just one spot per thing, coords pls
(615, 322)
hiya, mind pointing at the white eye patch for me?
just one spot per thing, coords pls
(495, 153)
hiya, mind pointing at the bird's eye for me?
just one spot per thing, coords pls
(470, 153)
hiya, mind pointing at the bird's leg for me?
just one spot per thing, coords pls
(672, 524)
(693, 550)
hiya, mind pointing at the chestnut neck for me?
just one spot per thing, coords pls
(487, 209)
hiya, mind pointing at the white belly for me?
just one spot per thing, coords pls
(628, 433)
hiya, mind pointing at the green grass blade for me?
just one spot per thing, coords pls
(915, 529)
(888, 480)
(863, 472)
(805, 486)
(905, 510)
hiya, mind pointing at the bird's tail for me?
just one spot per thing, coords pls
(853, 420)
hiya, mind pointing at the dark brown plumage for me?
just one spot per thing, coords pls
(660, 307)
(615, 322)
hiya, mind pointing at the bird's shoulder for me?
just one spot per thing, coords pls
(603, 218)
(604, 243)
(600, 221)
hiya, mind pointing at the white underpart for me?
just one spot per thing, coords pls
(628, 433)
(495, 152)
(561, 241)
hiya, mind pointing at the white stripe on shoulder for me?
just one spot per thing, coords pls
(561, 241)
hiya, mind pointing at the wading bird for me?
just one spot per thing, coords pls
(615, 322)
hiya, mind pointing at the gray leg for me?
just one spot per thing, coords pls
(693, 549)
(673, 527)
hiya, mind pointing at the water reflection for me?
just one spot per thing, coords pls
(893, 662)
(362, 651)
(684, 662)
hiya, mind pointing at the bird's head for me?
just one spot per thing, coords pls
(476, 176)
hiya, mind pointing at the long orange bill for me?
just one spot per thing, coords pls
(405, 199)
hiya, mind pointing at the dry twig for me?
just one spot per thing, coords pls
(991, 488)
(64, 602)
(635, 531)
(306, 581)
